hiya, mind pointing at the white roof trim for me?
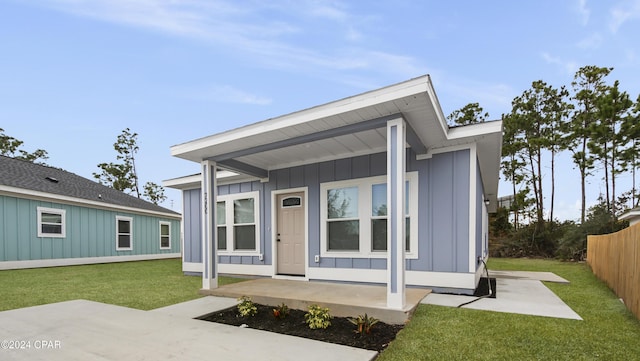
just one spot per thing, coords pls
(25, 193)
(630, 214)
(407, 88)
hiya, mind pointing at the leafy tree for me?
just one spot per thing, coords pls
(471, 113)
(530, 123)
(154, 193)
(122, 175)
(589, 86)
(556, 110)
(631, 131)
(608, 141)
(10, 147)
(513, 166)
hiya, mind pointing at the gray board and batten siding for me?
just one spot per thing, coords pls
(444, 192)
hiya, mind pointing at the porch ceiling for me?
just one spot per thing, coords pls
(345, 128)
(299, 139)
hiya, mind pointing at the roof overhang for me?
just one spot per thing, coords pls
(345, 128)
(631, 214)
(50, 197)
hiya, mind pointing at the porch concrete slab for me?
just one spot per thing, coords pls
(343, 300)
(526, 275)
(513, 295)
(86, 330)
(198, 307)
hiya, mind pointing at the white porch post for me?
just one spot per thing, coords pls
(396, 163)
(209, 234)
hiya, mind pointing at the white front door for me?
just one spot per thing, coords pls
(290, 234)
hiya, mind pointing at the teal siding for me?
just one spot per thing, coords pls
(90, 232)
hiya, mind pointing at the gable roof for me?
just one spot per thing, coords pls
(19, 177)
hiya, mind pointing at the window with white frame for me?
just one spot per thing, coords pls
(165, 235)
(354, 217)
(51, 222)
(237, 223)
(124, 233)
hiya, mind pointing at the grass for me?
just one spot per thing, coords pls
(143, 285)
(608, 332)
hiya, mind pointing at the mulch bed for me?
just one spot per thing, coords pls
(340, 332)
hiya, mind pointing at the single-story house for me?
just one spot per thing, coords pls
(51, 217)
(374, 188)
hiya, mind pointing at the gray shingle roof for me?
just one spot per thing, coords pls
(36, 177)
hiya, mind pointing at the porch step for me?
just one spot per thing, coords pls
(343, 300)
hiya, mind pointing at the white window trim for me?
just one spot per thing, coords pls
(228, 199)
(61, 212)
(130, 220)
(162, 223)
(364, 216)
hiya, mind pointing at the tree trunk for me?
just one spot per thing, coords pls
(553, 184)
(583, 179)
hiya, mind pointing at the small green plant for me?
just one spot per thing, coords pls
(246, 307)
(318, 317)
(364, 324)
(281, 311)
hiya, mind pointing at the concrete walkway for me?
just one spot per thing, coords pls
(344, 300)
(86, 330)
(516, 292)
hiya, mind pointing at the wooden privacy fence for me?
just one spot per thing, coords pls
(615, 259)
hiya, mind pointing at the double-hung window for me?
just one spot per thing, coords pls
(51, 222)
(165, 235)
(124, 233)
(354, 217)
(237, 223)
(379, 217)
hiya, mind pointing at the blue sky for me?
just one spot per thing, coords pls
(74, 73)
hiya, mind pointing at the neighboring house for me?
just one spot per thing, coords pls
(50, 217)
(349, 191)
(632, 215)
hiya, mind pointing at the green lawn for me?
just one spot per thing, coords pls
(143, 285)
(609, 331)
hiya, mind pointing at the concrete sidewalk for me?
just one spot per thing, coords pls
(86, 330)
(516, 292)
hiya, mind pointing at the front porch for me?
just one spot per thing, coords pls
(343, 300)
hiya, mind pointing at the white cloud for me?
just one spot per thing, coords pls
(570, 67)
(229, 94)
(583, 11)
(494, 98)
(629, 10)
(594, 41)
(250, 31)
(329, 11)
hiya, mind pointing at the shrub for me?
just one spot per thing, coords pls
(281, 311)
(246, 307)
(364, 324)
(318, 317)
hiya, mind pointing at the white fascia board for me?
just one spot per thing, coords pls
(49, 197)
(183, 183)
(433, 97)
(630, 214)
(410, 87)
(473, 130)
(194, 181)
